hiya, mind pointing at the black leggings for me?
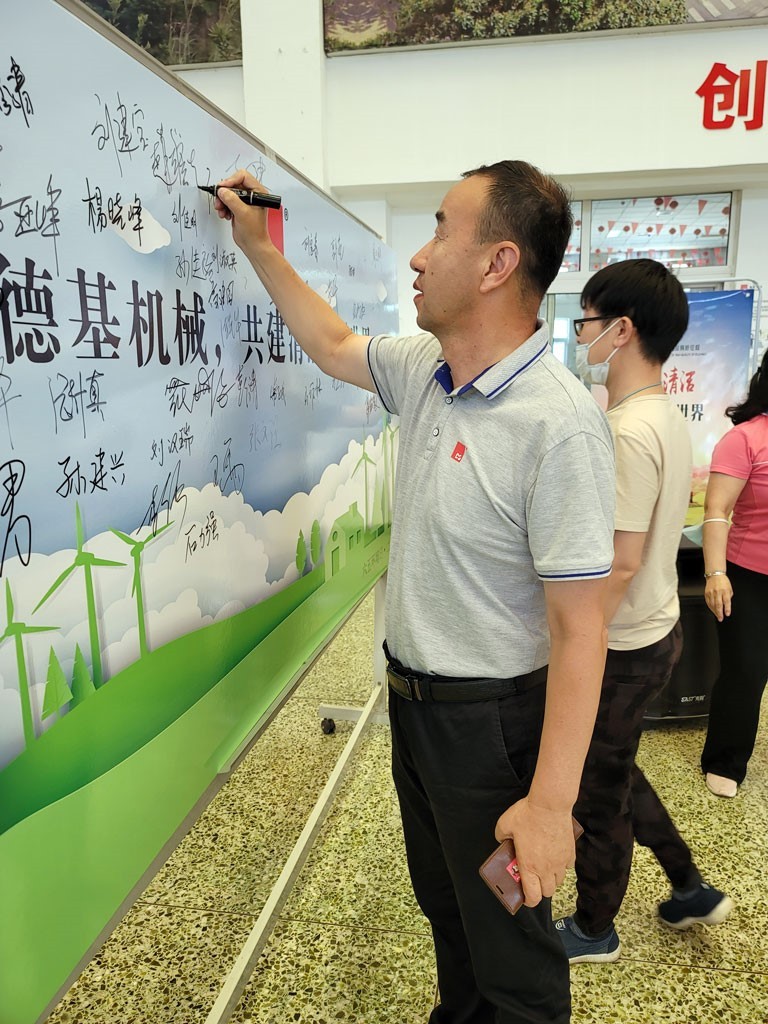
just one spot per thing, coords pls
(735, 711)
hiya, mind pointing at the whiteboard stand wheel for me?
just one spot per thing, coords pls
(328, 726)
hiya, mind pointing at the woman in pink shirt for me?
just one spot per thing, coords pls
(736, 571)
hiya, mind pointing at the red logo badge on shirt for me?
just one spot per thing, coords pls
(458, 452)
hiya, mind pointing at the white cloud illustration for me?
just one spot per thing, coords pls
(190, 577)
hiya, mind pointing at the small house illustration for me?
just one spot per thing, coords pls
(345, 542)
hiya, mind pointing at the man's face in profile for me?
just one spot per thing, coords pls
(450, 265)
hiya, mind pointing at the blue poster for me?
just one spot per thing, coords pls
(708, 371)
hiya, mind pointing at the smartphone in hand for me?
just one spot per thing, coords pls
(500, 873)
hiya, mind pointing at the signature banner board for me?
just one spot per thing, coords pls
(188, 506)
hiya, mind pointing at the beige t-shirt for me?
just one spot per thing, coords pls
(653, 485)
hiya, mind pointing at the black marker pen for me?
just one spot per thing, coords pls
(248, 196)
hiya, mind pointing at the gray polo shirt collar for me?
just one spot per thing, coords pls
(497, 378)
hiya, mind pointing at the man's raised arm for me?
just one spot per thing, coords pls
(322, 334)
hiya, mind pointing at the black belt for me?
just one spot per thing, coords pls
(422, 686)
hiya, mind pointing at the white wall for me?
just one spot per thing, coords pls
(577, 106)
(609, 115)
(221, 84)
(619, 107)
(387, 133)
(409, 230)
(752, 248)
(752, 261)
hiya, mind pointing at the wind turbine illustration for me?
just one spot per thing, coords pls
(86, 561)
(18, 630)
(386, 512)
(392, 431)
(137, 547)
(364, 461)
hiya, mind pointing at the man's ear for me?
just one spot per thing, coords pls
(503, 261)
(625, 332)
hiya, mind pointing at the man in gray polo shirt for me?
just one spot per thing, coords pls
(501, 544)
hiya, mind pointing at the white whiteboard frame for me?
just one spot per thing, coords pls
(235, 982)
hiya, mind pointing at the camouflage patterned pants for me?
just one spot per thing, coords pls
(616, 803)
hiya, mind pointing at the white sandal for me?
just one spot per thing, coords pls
(721, 786)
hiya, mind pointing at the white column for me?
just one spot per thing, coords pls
(752, 260)
(284, 80)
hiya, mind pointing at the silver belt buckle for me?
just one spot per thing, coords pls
(410, 684)
(413, 687)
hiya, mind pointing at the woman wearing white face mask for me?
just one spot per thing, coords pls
(635, 312)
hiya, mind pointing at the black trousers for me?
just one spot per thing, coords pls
(616, 803)
(457, 768)
(735, 709)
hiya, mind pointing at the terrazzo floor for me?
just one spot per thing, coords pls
(351, 947)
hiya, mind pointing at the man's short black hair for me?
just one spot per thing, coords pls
(530, 208)
(650, 295)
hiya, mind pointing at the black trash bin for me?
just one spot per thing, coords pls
(688, 693)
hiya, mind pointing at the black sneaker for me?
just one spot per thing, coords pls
(581, 949)
(706, 906)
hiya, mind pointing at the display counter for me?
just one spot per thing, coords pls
(687, 695)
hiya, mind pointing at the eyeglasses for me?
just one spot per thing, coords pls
(578, 325)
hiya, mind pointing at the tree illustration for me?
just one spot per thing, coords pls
(17, 631)
(301, 553)
(57, 691)
(137, 548)
(314, 544)
(86, 561)
(365, 461)
(82, 684)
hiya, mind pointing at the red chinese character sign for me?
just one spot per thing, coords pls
(708, 371)
(729, 95)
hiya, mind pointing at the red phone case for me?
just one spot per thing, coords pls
(500, 874)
